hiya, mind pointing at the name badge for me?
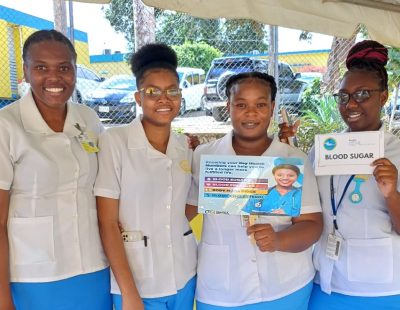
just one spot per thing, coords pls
(333, 246)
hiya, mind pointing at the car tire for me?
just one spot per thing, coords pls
(182, 109)
(220, 114)
(221, 84)
(79, 97)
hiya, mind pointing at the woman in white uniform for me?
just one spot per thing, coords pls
(51, 254)
(275, 271)
(143, 182)
(366, 273)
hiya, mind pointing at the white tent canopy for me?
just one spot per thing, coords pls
(333, 17)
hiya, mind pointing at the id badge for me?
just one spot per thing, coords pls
(333, 246)
(87, 144)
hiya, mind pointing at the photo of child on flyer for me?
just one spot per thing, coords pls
(282, 199)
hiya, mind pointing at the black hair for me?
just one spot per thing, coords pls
(238, 78)
(286, 166)
(47, 35)
(153, 56)
(371, 56)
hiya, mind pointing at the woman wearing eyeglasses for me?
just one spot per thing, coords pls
(143, 181)
(366, 272)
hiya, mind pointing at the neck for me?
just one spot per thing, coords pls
(158, 136)
(255, 147)
(54, 118)
(283, 190)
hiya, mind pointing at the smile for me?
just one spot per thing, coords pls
(54, 89)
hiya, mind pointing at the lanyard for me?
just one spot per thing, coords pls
(333, 203)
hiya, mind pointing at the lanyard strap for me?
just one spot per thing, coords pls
(333, 203)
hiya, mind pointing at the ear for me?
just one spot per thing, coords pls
(26, 75)
(384, 97)
(272, 108)
(228, 106)
(138, 98)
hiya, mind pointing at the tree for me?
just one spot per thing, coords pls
(197, 55)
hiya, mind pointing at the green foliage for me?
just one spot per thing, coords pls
(311, 95)
(324, 117)
(197, 55)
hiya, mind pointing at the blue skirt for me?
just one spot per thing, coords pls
(323, 301)
(295, 301)
(84, 292)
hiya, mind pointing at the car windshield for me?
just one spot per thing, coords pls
(233, 66)
(120, 82)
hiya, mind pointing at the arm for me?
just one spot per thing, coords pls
(6, 302)
(191, 212)
(107, 209)
(386, 176)
(304, 231)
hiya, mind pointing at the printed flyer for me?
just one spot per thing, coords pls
(256, 185)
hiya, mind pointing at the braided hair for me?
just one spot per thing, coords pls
(371, 56)
(241, 77)
(153, 56)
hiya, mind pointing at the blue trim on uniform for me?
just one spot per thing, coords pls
(182, 300)
(83, 292)
(23, 19)
(295, 301)
(322, 301)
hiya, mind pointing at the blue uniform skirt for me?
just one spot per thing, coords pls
(295, 301)
(322, 301)
(84, 292)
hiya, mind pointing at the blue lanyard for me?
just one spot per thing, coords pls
(333, 203)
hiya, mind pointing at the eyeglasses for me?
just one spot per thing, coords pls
(359, 96)
(155, 93)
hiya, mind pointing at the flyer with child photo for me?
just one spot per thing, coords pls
(242, 185)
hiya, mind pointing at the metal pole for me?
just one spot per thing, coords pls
(71, 21)
(60, 16)
(274, 64)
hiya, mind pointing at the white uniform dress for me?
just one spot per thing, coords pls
(52, 222)
(369, 262)
(152, 189)
(231, 270)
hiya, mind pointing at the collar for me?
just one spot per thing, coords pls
(33, 121)
(137, 139)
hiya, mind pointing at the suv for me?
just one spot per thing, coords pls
(291, 86)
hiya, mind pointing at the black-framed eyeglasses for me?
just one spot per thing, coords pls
(155, 92)
(359, 96)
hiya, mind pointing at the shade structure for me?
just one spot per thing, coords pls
(333, 17)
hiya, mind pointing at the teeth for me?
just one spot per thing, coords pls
(354, 115)
(163, 110)
(54, 90)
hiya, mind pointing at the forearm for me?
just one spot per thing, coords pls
(301, 234)
(5, 292)
(115, 251)
(191, 212)
(393, 206)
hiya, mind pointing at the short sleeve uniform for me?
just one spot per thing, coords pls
(231, 270)
(152, 189)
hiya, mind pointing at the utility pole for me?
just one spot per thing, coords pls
(60, 16)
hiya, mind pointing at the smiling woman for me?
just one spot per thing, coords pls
(51, 253)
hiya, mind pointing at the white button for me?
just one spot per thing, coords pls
(168, 206)
(169, 246)
(170, 188)
(167, 226)
(253, 259)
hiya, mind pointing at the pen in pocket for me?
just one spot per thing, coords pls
(188, 232)
(145, 240)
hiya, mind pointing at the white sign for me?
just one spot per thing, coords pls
(348, 153)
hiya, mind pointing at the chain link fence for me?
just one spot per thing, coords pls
(209, 52)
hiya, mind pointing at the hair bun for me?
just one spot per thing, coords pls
(367, 51)
(153, 54)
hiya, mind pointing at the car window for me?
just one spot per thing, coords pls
(119, 83)
(79, 73)
(202, 78)
(234, 66)
(189, 79)
(196, 79)
(90, 75)
(285, 72)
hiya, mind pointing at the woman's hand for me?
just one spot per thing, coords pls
(265, 237)
(286, 131)
(132, 303)
(193, 141)
(386, 175)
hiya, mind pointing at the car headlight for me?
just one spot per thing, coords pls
(129, 98)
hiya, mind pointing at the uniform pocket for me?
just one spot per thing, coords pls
(370, 261)
(31, 240)
(140, 259)
(213, 267)
(293, 265)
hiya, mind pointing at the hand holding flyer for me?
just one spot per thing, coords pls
(250, 185)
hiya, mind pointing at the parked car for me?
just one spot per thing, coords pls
(310, 76)
(191, 81)
(114, 99)
(389, 107)
(86, 81)
(290, 84)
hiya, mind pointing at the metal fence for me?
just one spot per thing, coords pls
(209, 52)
